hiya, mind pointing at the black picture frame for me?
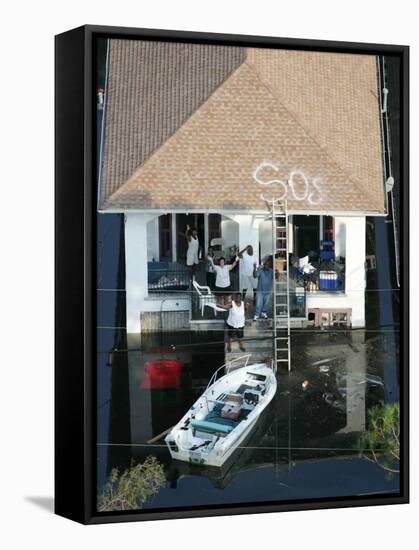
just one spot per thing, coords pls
(75, 242)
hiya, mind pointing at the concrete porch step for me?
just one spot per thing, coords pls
(254, 357)
(260, 325)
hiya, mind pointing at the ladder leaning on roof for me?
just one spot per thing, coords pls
(281, 285)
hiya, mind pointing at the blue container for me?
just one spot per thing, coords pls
(299, 296)
(328, 280)
(327, 255)
(327, 250)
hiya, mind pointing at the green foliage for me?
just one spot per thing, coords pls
(129, 490)
(381, 442)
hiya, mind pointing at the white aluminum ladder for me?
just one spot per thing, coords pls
(281, 285)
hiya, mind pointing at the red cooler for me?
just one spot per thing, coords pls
(162, 374)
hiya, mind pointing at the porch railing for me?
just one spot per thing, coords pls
(167, 277)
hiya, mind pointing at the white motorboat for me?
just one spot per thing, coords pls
(224, 415)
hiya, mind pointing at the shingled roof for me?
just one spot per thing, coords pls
(191, 126)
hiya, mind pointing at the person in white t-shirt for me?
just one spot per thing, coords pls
(248, 263)
(192, 254)
(222, 277)
(235, 321)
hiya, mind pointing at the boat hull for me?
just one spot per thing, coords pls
(214, 460)
(216, 443)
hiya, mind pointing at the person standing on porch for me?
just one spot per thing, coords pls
(247, 265)
(235, 321)
(263, 290)
(222, 277)
(192, 253)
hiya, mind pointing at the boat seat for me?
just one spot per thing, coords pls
(217, 418)
(255, 377)
(243, 387)
(211, 426)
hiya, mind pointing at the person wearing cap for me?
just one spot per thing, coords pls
(247, 264)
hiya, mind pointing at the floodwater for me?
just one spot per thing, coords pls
(305, 445)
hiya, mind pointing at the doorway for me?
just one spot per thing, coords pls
(165, 237)
(195, 221)
(306, 236)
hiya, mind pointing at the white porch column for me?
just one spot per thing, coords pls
(206, 235)
(355, 265)
(291, 234)
(174, 237)
(135, 267)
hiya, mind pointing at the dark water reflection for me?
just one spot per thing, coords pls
(303, 447)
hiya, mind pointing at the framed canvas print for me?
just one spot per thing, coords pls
(231, 274)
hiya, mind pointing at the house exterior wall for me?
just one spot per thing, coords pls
(350, 242)
(140, 229)
(244, 229)
(136, 267)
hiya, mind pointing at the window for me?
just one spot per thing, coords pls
(328, 228)
(306, 236)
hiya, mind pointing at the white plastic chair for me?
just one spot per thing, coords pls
(217, 241)
(206, 297)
